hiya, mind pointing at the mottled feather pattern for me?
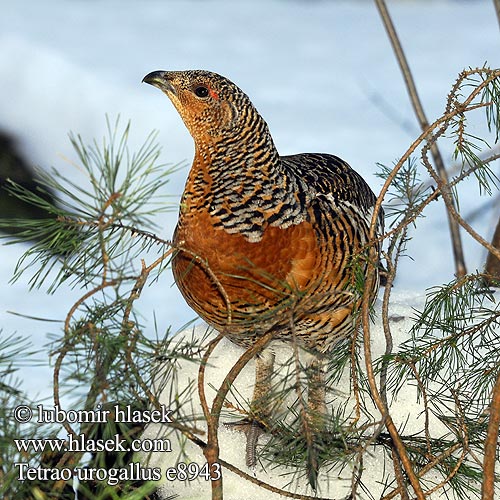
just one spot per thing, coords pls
(266, 243)
(277, 233)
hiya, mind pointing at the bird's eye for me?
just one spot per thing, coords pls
(201, 91)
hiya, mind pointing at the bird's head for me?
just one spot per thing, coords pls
(210, 105)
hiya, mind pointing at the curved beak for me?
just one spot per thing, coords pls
(160, 80)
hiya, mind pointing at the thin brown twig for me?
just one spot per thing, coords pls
(365, 321)
(306, 419)
(135, 293)
(464, 443)
(211, 451)
(206, 267)
(459, 171)
(395, 245)
(127, 325)
(427, 468)
(399, 475)
(424, 125)
(451, 209)
(114, 225)
(421, 386)
(387, 330)
(356, 474)
(491, 444)
(431, 197)
(354, 378)
(103, 223)
(496, 4)
(441, 123)
(65, 349)
(235, 371)
(436, 193)
(201, 375)
(443, 185)
(365, 317)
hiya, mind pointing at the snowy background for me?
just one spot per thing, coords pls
(322, 73)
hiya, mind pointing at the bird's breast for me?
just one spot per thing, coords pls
(223, 273)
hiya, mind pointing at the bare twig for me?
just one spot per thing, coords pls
(425, 398)
(365, 321)
(485, 157)
(424, 125)
(211, 450)
(354, 378)
(443, 456)
(392, 259)
(365, 318)
(495, 252)
(496, 3)
(464, 443)
(492, 268)
(491, 444)
(399, 475)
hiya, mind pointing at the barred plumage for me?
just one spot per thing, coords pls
(278, 233)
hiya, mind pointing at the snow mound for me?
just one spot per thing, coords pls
(405, 410)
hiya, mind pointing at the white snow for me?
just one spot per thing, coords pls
(406, 411)
(321, 73)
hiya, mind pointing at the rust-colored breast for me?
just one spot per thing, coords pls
(223, 275)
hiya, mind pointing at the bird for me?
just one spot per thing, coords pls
(264, 242)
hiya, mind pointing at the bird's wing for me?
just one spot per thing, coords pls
(329, 179)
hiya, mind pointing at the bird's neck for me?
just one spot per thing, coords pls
(232, 169)
(242, 186)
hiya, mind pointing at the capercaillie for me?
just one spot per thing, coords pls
(263, 237)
